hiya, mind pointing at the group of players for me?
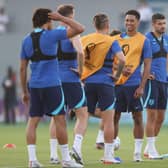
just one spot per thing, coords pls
(109, 67)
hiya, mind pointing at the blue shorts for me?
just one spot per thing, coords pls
(125, 101)
(101, 95)
(49, 101)
(155, 95)
(74, 95)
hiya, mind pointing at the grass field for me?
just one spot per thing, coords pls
(17, 158)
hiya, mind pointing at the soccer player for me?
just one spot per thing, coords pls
(156, 92)
(70, 57)
(130, 86)
(100, 135)
(45, 93)
(100, 50)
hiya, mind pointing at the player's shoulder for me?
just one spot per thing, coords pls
(26, 38)
(165, 36)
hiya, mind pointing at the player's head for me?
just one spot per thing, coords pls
(132, 19)
(66, 10)
(115, 32)
(101, 22)
(40, 17)
(159, 23)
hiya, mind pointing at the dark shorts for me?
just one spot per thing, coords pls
(100, 95)
(49, 101)
(74, 95)
(125, 101)
(155, 95)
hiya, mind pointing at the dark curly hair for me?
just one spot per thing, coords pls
(40, 17)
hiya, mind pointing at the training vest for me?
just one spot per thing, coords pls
(37, 54)
(162, 52)
(132, 48)
(65, 55)
(96, 47)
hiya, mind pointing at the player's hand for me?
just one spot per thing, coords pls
(54, 16)
(138, 92)
(115, 66)
(127, 71)
(151, 77)
(113, 77)
(26, 98)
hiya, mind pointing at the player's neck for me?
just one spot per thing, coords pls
(157, 34)
(102, 31)
(45, 26)
(63, 24)
(132, 33)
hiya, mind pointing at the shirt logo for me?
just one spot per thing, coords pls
(151, 102)
(125, 49)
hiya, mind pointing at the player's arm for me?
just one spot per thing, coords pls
(121, 63)
(146, 72)
(74, 28)
(167, 67)
(120, 60)
(23, 80)
(147, 56)
(76, 41)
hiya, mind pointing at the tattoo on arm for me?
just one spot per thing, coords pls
(119, 69)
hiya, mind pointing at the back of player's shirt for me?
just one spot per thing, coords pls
(66, 74)
(44, 73)
(102, 75)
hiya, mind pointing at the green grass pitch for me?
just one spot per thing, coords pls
(17, 158)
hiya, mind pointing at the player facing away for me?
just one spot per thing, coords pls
(70, 58)
(45, 94)
(100, 135)
(156, 90)
(100, 50)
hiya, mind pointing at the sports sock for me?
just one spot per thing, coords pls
(32, 152)
(100, 137)
(78, 142)
(151, 146)
(138, 145)
(146, 149)
(65, 152)
(53, 148)
(108, 150)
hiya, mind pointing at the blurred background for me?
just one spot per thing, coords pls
(15, 23)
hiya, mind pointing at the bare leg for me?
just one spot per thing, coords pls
(61, 132)
(82, 121)
(31, 130)
(107, 119)
(108, 122)
(138, 125)
(31, 137)
(159, 120)
(138, 132)
(79, 132)
(53, 143)
(150, 124)
(150, 149)
(117, 116)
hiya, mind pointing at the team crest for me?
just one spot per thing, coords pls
(125, 49)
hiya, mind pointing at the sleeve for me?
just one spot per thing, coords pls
(166, 41)
(116, 47)
(59, 34)
(147, 51)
